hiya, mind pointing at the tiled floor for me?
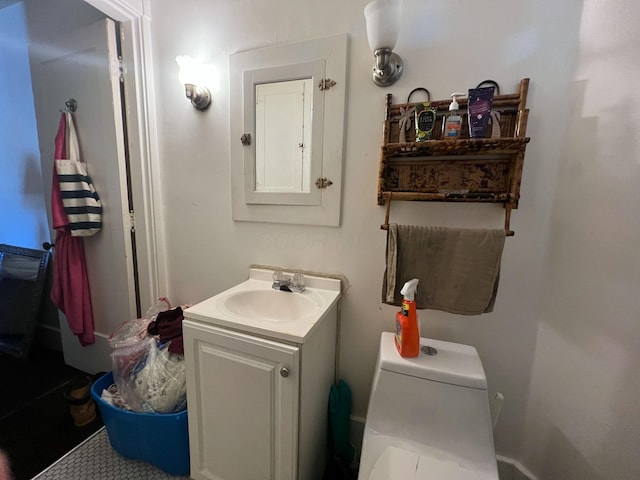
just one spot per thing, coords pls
(95, 459)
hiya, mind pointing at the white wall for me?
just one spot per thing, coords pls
(23, 221)
(50, 18)
(447, 46)
(583, 420)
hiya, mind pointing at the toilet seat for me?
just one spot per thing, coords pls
(400, 464)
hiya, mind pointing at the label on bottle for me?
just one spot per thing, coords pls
(452, 126)
(404, 312)
(398, 337)
(425, 121)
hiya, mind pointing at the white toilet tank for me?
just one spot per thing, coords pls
(432, 411)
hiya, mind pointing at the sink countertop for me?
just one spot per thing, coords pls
(325, 291)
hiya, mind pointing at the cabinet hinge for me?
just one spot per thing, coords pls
(323, 183)
(326, 84)
(132, 221)
(118, 69)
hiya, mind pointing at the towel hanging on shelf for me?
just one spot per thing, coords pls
(459, 269)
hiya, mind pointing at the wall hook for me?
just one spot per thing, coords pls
(71, 105)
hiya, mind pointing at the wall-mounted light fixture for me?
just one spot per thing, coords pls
(383, 26)
(192, 76)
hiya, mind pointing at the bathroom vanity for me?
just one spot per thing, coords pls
(260, 365)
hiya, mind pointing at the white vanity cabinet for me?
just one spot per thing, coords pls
(257, 400)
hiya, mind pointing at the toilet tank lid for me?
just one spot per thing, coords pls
(452, 363)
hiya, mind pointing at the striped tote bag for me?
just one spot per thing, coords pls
(79, 197)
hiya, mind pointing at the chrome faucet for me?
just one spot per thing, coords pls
(288, 284)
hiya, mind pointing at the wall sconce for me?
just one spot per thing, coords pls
(191, 75)
(383, 26)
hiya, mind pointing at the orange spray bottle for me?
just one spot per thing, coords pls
(407, 337)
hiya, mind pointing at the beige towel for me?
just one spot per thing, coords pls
(458, 269)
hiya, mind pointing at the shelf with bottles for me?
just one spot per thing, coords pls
(462, 169)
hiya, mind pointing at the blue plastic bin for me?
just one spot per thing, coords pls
(161, 439)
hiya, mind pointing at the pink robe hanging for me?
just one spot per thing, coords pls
(70, 291)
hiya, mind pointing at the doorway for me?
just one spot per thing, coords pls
(138, 86)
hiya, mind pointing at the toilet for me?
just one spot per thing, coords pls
(428, 416)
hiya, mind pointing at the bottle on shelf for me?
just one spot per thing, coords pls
(452, 122)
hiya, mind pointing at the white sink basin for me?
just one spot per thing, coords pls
(273, 305)
(254, 307)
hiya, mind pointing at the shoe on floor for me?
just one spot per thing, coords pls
(78, 394)
(83, 414)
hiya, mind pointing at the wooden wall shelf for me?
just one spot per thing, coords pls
(456, 170)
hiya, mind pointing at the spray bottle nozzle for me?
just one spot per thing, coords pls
(409, 289)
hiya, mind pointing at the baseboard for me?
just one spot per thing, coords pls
(92, 358)
(510, 469)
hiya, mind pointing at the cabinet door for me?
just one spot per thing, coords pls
(243, 405)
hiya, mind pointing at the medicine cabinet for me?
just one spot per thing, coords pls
(287, 122)
(455, 170)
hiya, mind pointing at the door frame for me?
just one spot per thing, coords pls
(135, 20)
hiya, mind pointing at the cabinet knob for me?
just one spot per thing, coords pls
(284, 372)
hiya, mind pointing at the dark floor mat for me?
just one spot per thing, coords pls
(36, 427)
(24, 381)
(40, 434)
